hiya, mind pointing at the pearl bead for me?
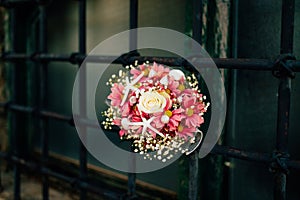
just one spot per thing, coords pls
(165, 119)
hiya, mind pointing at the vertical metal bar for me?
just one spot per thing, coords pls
(197, 20)
(233, 87)
(1, 186)
(82, 97)
(193, 158)
(42, 103)
(287, 26)
(133, 23)
(235, 25)
(284, 94)
(3, 31)
(14, 136)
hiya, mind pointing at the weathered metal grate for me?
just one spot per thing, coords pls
(283, 68)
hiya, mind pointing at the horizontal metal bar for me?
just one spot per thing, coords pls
(24, 109)
(56, 116)
(74, 181)
(218, 149)
(250, 156)
(76, 58)
(33, 110)
(14, 3)
(293, 164)
(240, 154)
(47, 114)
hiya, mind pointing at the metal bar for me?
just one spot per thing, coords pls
(74, 182)
(227, 151)
(15, 3)
(57, 116)
(224, 63)
(14, 132)
(197, 21)
(287, 26)
(1, 185)
(45, 114)
(221, 150)
(284, 95)
(193, 158)
(263, 158)
(241, 154)
(42, 101)
(231, 127)
(83, 95)
(133, 24)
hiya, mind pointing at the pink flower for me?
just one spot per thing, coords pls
(125, 110)
(138, 70)
(136, 129)
(185, 132)
(122, 132)
(192, 111)
(188, 92)
(175, 86)
(116, 94)
(117, 121)
(170, 119)
(160, 70)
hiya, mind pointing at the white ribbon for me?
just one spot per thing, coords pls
(197, 145)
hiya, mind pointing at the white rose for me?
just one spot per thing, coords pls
(152, 102)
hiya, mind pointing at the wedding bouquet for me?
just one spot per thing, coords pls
(158, 108)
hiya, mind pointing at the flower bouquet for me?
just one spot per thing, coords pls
(158, 108)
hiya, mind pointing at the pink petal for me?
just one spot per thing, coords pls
(117, 122)
(121, 132)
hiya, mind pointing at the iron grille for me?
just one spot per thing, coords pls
(283, 68)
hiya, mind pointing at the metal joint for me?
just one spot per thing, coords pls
(74, 58)
(282, 68)
(35, 57)
(279, 162)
